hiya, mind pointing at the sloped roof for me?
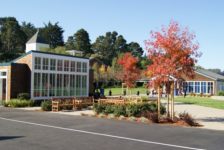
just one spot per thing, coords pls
(36, 38)
(210, 74)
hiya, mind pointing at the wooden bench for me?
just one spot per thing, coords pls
(81, 102)
(74, 102)
(58, 103)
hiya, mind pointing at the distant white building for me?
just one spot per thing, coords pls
(75, 52)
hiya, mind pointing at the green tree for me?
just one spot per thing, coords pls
(53, 34)
(29, 29)
(109, 46)
(135, 49)
(12, 37)
(70, 43)
(82, 42)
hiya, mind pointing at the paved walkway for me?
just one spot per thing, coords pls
(210, 118)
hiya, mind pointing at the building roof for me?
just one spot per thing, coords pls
(210, 74)
(67, 55)
(36, 38)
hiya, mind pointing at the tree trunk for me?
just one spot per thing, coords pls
(158, 103)
(168, 105)
(172, 100)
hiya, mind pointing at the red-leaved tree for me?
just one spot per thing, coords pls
(129, 72)
(173, 52)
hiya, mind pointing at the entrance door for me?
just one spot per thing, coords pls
(2, 90)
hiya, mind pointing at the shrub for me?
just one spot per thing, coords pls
(99, 108)
(188, 119)
(133, 110)
(119, 110)
(221, 93)
(136, 110)
(18, 103)
(46, 105)
(23, 96)
(153, 116)
(109, 109)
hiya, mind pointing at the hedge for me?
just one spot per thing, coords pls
(127, 110)
(18, 103)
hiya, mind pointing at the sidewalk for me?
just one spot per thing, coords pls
(210, 118)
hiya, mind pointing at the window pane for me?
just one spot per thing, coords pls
(53, 64)
(60, 63)
(84, 85)
(197, 87)
(79, 64)
(59, 85)
(66, 85)
(203, 87)
(210, 87)
(45, 84)
(72, 66)
(72, 85)
(45, 63)
(78, 85)
(66, 65)
(84, 67)
(37, 62)
(36, 86)
(52, 85)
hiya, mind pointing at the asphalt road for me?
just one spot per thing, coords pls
(29, 130)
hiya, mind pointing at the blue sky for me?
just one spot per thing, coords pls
(134, 19)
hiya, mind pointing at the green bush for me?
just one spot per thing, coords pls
(23, 96)
(109, 109)
(99, 108)
(18, 103)
(128, 110)
(133, 110)
(119, 110)
(221, 93)
(46, 105)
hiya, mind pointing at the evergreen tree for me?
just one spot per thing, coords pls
(53, 34)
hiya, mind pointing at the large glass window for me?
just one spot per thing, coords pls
(73, 66)
(66, 65)
(59, 65)
(66, 85)
(52, 85)
(37, 63)
(78, 85)
(45, 84)
(84, 67)
(203, 87)
(197, 87)
(45, 63)
(59, 84)
(37, 85)
(79, 66)
(84, 85)
(53, 64)
(190, 87)
(210, 87)
(72, 85)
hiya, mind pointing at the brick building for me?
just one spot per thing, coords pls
(44, 75)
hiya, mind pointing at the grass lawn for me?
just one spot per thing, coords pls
(202, 101)
(118, 91)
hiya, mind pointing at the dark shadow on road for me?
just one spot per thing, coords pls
(9, 137)
(213, 119)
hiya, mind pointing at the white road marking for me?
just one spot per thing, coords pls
(101, 134)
